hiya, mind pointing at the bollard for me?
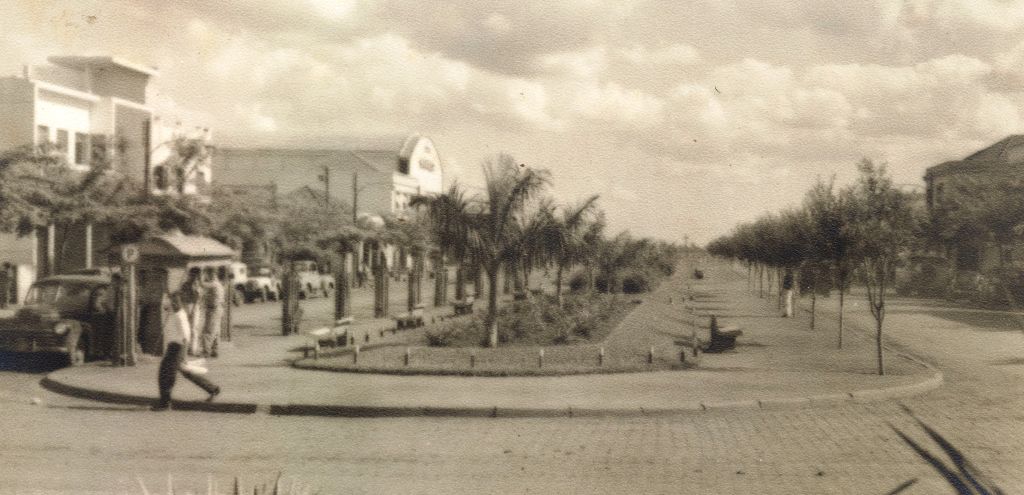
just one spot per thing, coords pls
(540, 358)
(355, 355)
(382, 332)
(472, 359)
(366, 337)
(407, 353)
(600, 357)
(650, 355)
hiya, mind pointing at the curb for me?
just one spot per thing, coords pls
(350, 411)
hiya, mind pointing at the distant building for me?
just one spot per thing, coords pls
(376, 177)
(90, 109)
(1001, 161)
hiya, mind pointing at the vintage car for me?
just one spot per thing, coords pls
(312, 282)
(70, 314)
(262, 284)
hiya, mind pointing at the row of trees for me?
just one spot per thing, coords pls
(514, 228)
(38, 190)
(862, 230)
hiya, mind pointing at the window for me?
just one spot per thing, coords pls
(98, 143)
(81, 148)
(42, 134)
(62, 140)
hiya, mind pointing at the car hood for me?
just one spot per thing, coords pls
(38, 313)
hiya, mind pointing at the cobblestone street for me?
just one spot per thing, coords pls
(840, 448)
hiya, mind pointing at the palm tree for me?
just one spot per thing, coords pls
(590, 244)
(492, 230)
(528, 248)
(448, 218)
(563, 238)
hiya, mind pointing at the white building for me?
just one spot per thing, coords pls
(91, 109)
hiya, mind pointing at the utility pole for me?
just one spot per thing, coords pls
(326, 179)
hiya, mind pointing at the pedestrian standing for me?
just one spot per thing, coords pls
(192, 299)
(173, 363)
(214, 296)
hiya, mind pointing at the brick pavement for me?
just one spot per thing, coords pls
(846, 448)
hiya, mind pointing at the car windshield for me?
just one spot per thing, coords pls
(259, 272)
(66, 295)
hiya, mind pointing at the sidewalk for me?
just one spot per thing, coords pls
(779, 363)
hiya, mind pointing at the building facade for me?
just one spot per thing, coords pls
(967, 179)
(92, 110)
(375, 177)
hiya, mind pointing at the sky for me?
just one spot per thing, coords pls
(687, 117)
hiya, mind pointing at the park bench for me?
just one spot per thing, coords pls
(722, 338)
(463, 306)
(336, 336)
(412, 319)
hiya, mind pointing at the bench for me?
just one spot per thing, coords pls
(463, 307)
(336, 336)
(722, 338)
(413, 319)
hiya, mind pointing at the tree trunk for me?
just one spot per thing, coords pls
(558, 285)
(842, 297)
(878, 342)
(342, 301)
(492, 306)
(760, 281)
(526, 276)
(460, 282)
(814, 301)
(440, 281)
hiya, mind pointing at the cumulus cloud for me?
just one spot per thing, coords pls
(754, 95)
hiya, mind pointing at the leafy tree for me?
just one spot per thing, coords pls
(883, 230)
(832, 238)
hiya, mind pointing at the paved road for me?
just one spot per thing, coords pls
(69, 446)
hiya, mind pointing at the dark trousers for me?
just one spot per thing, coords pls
(170, 366)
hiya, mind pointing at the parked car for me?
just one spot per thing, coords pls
(262, 284)
(312, 282)
(69, 314)
(239, 278)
